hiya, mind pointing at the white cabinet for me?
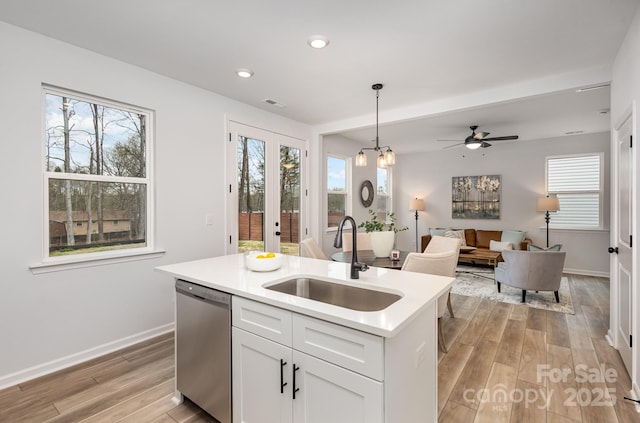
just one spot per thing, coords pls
(283, 369)
(257, 393)
(329, 393)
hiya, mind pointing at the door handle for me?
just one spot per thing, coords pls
(613, 250)
(295, 369)
(282, 382)
(278, 233)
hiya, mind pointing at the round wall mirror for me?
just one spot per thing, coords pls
(366, 193)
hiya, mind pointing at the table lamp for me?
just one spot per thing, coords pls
(416, 204)
(547, 204)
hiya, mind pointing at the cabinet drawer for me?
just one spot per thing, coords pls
(261, 319)
(348, 348)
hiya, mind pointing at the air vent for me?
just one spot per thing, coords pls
(274, 103)
(573, 132)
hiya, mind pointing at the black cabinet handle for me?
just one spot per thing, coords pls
(295, 369)
(282, 382)
(278, 233)
(613, 250)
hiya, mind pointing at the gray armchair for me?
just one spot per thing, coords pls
(531, 271)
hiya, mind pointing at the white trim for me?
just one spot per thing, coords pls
(90, 260)
(583, 272)
(82, 356)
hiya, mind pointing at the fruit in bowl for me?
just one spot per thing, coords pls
(259, 261)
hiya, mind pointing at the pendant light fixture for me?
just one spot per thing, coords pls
(386, 159)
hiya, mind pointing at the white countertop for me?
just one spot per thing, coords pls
(228, 274)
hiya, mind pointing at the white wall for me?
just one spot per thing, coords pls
(48, 318)
(625, 95)
(522, 167)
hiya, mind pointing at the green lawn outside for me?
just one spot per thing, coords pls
(288, 248)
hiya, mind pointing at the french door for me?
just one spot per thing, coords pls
(266, 210)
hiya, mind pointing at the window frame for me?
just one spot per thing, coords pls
(50, 263)
(599, 191)
(348, 187)
(389, 195)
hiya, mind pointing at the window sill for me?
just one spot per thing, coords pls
(569, 229)
(76, 263)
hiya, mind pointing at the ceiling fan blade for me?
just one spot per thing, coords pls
(485, 144)
(481, 135)
(451, 146)
(510, 137)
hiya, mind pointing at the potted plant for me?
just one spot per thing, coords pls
(382, 233)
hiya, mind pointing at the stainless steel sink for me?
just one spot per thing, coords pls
(347, 296)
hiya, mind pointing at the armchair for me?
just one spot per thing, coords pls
(531, 270)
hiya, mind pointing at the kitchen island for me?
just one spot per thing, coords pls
(373, 366)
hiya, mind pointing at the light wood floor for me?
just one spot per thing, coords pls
(496, 348)
(492, 347)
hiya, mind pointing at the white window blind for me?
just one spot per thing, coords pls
(577, 182)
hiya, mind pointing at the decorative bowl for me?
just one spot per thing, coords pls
(271, 261)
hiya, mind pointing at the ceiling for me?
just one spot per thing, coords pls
(422, 51)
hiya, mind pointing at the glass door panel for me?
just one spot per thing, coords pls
(289, 200)
(251, 191)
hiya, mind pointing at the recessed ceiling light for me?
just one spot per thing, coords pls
(318, 41)
(244, 73)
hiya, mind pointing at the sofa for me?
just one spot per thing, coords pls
(481, 240)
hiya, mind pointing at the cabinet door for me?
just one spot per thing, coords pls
(257, 396)
(328, 393)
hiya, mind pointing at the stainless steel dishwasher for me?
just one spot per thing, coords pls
(203, 348)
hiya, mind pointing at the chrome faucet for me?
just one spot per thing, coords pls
(355, 266)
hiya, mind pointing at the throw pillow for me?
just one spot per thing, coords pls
(457, 234)
(514, 237)
(437, 232)
(499, 246)
(556, 247)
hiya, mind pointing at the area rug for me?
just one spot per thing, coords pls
(478, 282)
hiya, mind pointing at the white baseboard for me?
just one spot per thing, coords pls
(73, 359)
(609, 338)
(586, 272)
(635, 393)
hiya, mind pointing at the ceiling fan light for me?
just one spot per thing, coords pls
(389, 157)
(473, 145)
(361, 159)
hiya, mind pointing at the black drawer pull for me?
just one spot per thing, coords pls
(282, 382)
(295, 369)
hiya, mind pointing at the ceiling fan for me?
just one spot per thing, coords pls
(479, 139)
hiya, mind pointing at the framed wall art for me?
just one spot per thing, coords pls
(475, 197)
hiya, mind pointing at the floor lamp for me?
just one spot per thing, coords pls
(547, 204)
(416, 204)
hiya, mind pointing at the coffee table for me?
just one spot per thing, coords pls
(485, 257)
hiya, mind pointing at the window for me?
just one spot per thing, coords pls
(577, 182)
(97, 176)
(337, 190)
(383, 193)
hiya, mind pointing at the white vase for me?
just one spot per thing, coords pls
(382, 242)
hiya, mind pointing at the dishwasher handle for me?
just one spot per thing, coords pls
(203, 293)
